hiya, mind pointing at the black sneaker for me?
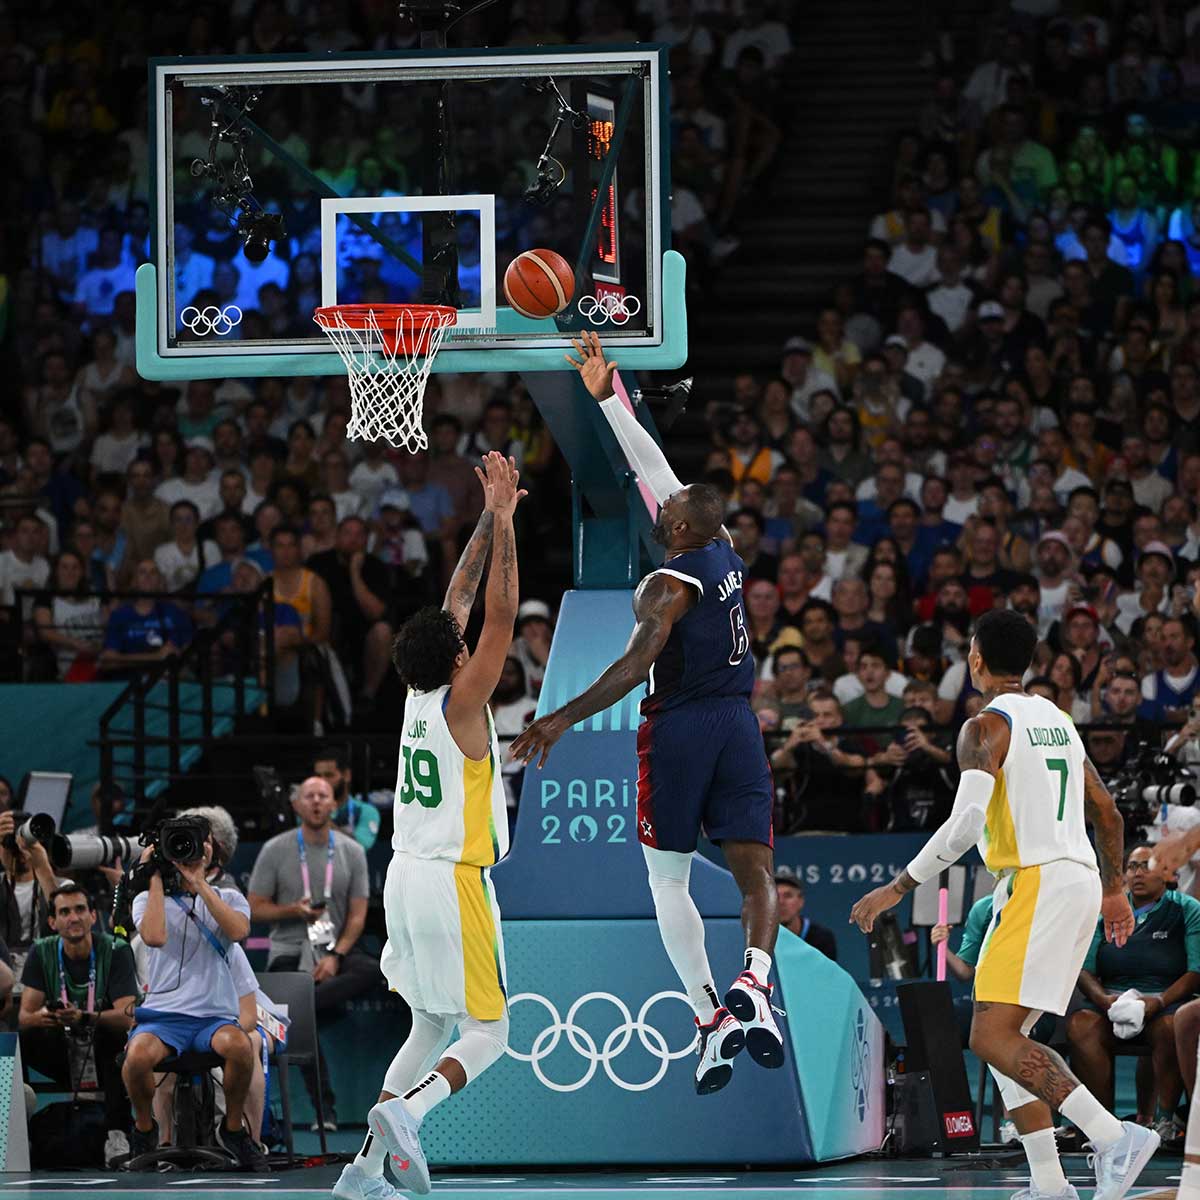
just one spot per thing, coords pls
(142, 1143)
(249, 1154)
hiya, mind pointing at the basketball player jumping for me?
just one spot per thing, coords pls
(444, 952)
(1026, 793)
(700, 753)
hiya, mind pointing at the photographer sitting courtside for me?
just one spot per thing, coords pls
(80, 986)
(191, 1001)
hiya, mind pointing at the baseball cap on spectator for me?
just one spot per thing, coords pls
(788, 875)
(1086, 609)
(897, 341)
(1055, 535)
(257, 567)
(396, 498)
(797, 345)
(533, 610)
(991, 310)
(201, 443)
(1159, 548)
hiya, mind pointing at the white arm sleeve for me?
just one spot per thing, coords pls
(960, 831)
(643, 454)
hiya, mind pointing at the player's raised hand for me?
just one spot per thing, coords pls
(1118, 918)
(499, 479)
(597, 375)
(537, 739)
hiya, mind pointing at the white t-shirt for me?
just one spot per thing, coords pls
(951, 304)
(847, 687)
(952, 682)
(14, 574)
(1051, 604)
(206, 495)
(771, 37)
(187, 975)
(1129, 609)
(112, 455)
(918, 267)
(959, 510)
(371, 482)
(179, 569)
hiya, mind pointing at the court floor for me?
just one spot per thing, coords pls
(875, 1179)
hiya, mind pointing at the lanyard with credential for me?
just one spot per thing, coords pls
(304, 869)
(62, 979)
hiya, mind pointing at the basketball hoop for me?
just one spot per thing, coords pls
(388, 350)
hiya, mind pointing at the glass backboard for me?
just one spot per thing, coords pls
(282, 184)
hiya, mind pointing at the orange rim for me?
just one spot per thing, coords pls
(406, 327)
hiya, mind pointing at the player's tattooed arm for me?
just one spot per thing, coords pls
(983, 743)
(1105, 818)
(660, 601)
(464, 583)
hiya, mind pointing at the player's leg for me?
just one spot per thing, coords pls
(1093, 1045)
(1042, 925)
(1167, 1078)
(1187, 1039)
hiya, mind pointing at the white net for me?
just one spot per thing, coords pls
(388, 373)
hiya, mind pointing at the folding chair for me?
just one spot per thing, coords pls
(297, 990)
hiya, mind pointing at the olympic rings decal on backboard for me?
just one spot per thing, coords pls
(610, 307)
(212, 319)
(582, 1042)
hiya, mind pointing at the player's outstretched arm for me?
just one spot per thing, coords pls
(982, 746)
(1105, 819)
(659, 602)
(464, 583)
(474, 684)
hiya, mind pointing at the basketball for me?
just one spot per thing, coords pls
(539, 283)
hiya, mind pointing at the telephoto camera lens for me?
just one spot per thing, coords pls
(86, 851)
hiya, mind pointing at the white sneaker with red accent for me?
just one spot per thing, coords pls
(721, 1041)
(400, 1132)
(750, 1002)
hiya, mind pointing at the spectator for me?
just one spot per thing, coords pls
(183, 559)
(300, 587)
(316, 926)
(26, 882)
(512, 708)
(1161, 964)
(358, 588)
(93, 978)
(804, 380)
(357, 816)
(145, 519)
(1168, 693)
(962, 965)
(531, 645)
(190, 1001)
(875, 708)
(813, 764)
(142, 633)
(790, 888)
(21, 566)
(232, 494)
(915, 258)
(196, 483)
(70, 621)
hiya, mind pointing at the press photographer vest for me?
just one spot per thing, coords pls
(47, 951)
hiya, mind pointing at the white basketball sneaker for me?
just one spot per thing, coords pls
(400, 1132)
(1118, 1167)
(355, 1184)
(1031, 1193)
(750, 1002)
(721, 1041)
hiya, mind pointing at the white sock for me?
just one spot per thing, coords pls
(371, 1156)
(1044, 1165)
(432, 1090)
(704, 1001)
(1189, 1183)
(1100, 1127)
(758, 963)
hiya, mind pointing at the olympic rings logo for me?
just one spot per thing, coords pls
(610, 308)
(203, 321)
(584, 1044)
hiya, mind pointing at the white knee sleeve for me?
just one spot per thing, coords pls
(421, 1049)
(680, 923)
(1011, 1092)
(480, 1043)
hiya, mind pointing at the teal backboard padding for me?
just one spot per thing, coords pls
(668, 355)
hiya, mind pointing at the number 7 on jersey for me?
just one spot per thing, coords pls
(1062, 769)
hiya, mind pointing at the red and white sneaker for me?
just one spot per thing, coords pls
(721, 1041)
(750, 1002)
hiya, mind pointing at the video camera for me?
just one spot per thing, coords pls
(179, 840)
(1145, 783)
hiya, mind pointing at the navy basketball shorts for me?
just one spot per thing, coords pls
(702, 767)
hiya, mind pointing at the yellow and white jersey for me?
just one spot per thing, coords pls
(448, 806)
(1036, 812)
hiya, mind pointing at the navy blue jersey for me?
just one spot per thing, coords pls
(708, 652)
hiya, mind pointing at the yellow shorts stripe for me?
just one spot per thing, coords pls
(1001, 969)
(481, 959)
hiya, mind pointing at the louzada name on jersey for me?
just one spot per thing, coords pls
(1036, 813)
(448, 806)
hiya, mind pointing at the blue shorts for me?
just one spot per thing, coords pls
(183, 1034)
(703, 766)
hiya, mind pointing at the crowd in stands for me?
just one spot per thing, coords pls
(1001, 406)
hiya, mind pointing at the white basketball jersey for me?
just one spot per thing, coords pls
(1036, 813)
(448, 806)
